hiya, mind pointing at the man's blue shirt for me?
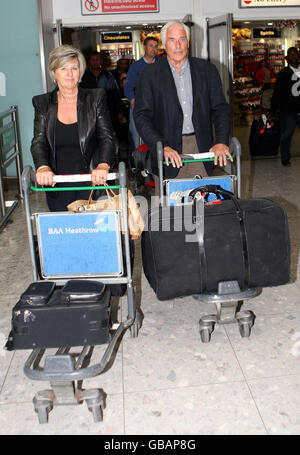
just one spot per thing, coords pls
(133, 76)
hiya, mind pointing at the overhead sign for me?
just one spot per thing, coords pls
(116, 37)
(266, 33)
(90, 7)
(267, 3)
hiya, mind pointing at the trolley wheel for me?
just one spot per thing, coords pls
(137, 324)
(246, 321)
(43, 414)
(134, 330)
(245, 330)
(206, 327)
(97, 412)
(205, 335)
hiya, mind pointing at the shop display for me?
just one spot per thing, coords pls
(248, 53)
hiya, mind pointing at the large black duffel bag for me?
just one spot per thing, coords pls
(246, 240)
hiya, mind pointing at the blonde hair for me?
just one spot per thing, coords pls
(63, 54)
(163, 32)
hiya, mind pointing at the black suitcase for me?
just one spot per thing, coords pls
(264, 141)
(245, 241)
(76, 315)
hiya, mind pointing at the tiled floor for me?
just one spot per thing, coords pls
(166, 381)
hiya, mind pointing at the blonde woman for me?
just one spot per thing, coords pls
(72, 129)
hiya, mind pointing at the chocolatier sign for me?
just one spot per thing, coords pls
(267, 3)
(89, 7)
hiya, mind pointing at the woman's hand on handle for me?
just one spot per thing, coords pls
(99, 174)
(221, 152)
(44, 176)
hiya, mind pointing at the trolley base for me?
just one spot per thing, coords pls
(228, 301)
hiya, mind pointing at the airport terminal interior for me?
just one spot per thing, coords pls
(166, 380)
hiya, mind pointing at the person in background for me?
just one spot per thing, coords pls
(122, 67)
(98, 77)
(177, 101)
(123, 77)
(264, 75)
(150, 47)
(286, 97)
(72, 129)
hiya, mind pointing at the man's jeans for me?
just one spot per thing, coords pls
(288, 123)
(134, 139)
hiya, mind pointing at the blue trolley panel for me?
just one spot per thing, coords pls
(188, 184)
(79, 244)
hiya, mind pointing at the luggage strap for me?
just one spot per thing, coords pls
(198, 220)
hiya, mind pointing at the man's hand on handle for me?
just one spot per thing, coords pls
(173, 156)
(221, 152)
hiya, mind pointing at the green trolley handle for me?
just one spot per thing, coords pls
(72, 188)
(200, 160)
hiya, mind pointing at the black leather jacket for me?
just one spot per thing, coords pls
(96, 135)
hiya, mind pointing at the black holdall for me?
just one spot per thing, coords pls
(245, 240)
(76, 315)
(264, 137)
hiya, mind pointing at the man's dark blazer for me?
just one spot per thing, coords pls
(158, 115)
(96, 136)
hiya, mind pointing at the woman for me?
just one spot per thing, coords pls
(72, 129)
(264, 75)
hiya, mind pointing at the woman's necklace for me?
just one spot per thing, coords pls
(68, 100)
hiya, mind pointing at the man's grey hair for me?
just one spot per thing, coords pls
(163, 32)
(62, 55)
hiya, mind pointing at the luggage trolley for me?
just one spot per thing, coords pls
(229, 298)
(66, 370)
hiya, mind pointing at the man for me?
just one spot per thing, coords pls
(150, 46)
(122, 67)
(286, 96)
(178, 100)
(98, 77)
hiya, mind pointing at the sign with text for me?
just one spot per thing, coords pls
(79, 244)
(267, 3)
(116, 37)
(89, 7)
(266, 33)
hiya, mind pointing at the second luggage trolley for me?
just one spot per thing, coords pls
(64, 370)
(229, 298)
